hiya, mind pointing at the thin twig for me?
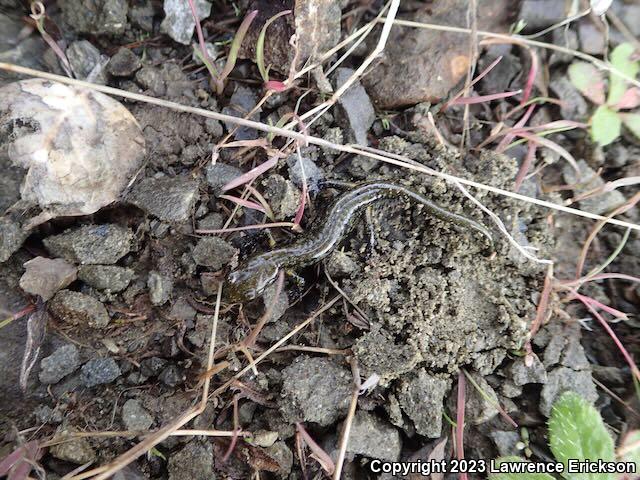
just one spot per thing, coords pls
(393, 159)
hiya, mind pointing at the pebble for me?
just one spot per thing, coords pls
(76, 308)
(356, 107)
(214, 252)
(315, 390)
(109, 278)
(86, 61)
(179, 23)
(374, 438)
(124, 63)
(160, 288)
(176, 202)
(193, 462)
(64, 361)
(151, 79)
(91, 244)
(77, 450)
(421, 398)
(135, 417)
(45, 276)
(99, 371)
(219, 174)
(241, 103)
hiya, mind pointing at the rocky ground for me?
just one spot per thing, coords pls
(109, 285)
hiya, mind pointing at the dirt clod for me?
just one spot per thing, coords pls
(193, 462)
(214, 252)
(374, 438)
(421, 396)
(110, 278)
(315, 390)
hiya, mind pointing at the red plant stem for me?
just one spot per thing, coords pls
(533, 71)
(483, 98)
(460, 420)
(526, 165)
(203, 48)
(614, 337)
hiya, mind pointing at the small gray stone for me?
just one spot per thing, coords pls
(333, 135)
(281, 304)
(282, 195)
(219, 174)
(563, 379)
(506, 442)
(97, 17)
(481, 407)
(600, 204)
(141, 15)
(135, 417)
(283, 456)
(179, 23)
(11, 238)
(312, 174)
(573, 103)
(86, 61)
(77, 308)
(523, 375)
(151, 367)
(172, 376)
(110, 278)
(315, 390)
(151, 79)
(64, 361)
(421, 398)
(171, 199)
(76, 450)
(45, 276)
(356, 107)
(124, 63)
(340, 264)
(193, 462)
(540, 14)
(213, 128)
(99, 371)
(91, 244)
(160, 288)
(242, 101)
(214, 252)
(212, 221)
(374, 438)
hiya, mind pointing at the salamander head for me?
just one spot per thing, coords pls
(249, 280)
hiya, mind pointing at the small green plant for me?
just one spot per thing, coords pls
(577, 432)
(608, 118)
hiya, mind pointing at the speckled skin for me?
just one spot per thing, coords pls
(251, 278)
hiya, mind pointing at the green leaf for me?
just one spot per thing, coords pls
(605, 125)
(264, 71)
(587, 78)
(621, 60)
(517, 476)
(577, 432)
(632, 122)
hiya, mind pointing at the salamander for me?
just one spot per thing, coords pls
(257, 272)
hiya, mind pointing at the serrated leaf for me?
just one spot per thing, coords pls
(632, 122)
(621, 61)
(605, 125)
(588, 80)
(517, 476)
(576, 431)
